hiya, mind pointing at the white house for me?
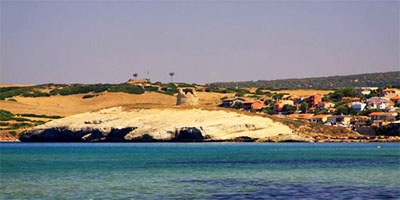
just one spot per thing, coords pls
(358, 106)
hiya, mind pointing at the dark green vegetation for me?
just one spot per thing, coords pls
(13, 123)
(93, 89)
(331, 82)
(62, 89)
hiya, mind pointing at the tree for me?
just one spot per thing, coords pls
(288, 109)
(172, 75)
(238, 105)
(259, 91)
(135, 75)
(268, 102)
(345, 110)
(304, 107)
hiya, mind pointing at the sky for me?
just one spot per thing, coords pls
(93, 41)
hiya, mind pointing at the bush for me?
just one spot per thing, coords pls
(20, 125)
(169, 89)
(151, 88)
(41, 116)
(20, 119)
(8, 92)
(186, 85)
(6, 115)
(126, 88)
(13, 133)
(35, 94)
(81, 89)
(4, 123)
(87, 96)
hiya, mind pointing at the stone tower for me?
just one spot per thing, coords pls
(187, 97)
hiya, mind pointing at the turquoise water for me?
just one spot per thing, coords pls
(199, 171)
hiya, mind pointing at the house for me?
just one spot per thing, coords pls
(358, 106)
(278, 105)
(228, 103)
(384, 116)
(351, 99)
(365, 90)
(357, 119)
(253, 105)
(313, 100)
(390, 92)
(339, 119)
(377, 123)
(379, 103)
(319, 118)
(325, 105)
(298, 100)
(395, 99)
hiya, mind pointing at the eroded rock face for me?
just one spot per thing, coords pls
(63, 134)
(155, 125)
(187, 97)
(188, 134)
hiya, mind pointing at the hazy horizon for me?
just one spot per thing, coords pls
(202, 42)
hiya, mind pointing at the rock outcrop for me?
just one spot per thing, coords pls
(63, 134)
(187, 97)
(152, 125)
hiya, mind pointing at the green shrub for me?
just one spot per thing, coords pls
(186, 85)
(4, 123)
(87, 96)
(151, 88)
(41, 116)
(169, 89)
(127, 88)
(81, 89)
(20, 119)
(13, 133)
(8, 92)
(20, 125)
(6, 115)
(39, 122)
(35, 94)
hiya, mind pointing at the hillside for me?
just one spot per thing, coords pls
(331, 82)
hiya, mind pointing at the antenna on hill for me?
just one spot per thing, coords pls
(148, 73)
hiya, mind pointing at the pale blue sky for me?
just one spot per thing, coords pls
(201, 41)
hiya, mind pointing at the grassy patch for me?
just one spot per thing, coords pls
(6, 115)
(41, 116)
(14, 133)
(4, 123)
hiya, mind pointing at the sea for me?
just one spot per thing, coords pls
(200, 171)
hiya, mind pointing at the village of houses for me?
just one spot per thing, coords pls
(366, 114)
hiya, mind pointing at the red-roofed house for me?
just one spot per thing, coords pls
(395, 99)
(253, 105)
(313, 100)
(382, 116)
(390, 92)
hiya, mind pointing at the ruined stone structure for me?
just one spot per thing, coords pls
(187, 97)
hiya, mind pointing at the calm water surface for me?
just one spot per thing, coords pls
(199, 171)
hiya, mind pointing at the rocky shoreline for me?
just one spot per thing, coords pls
(175, 125)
